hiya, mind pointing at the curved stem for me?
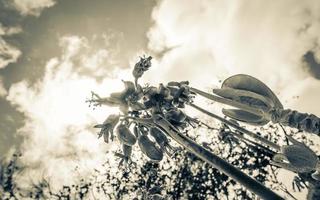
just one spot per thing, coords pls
(231, 171)
(242, 130)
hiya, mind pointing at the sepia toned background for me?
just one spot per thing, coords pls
(53, 53)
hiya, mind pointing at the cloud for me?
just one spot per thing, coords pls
(9, 30)
(58, 133)
(215, 39)
(32, 7)
(8, 53)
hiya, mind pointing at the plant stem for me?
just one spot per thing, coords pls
(242, 130)
(253, 143)
(228, 102)
(231, 171)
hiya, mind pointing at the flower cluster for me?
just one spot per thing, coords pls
(139, 104)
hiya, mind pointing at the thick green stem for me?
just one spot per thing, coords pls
(242, 130)
(231, 171)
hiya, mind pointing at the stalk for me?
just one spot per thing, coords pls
(242, 130)
(223, 166)
(252, 143)
(228, 102)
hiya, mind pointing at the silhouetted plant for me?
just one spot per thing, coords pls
(151, 115)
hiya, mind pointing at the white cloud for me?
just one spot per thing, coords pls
(9, 30)
(32, 7)
(58, 127)
(215, 39)
(8, 53)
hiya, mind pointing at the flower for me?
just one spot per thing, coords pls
(107, 127)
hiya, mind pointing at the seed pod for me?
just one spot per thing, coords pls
(243, 116)
(125, 136)
(296, 157)
(162, 141)
(149, 148)
(300, 158)
(251, 84)
(159, 136)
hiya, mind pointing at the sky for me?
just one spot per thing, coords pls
(54, 52)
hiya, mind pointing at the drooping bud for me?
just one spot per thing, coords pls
(158, 135)
(125, 136)
(162, 141)
(301, 158)
(149, 148)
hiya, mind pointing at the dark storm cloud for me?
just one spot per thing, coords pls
(312, 65)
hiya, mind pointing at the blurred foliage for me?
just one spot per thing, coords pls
(183, 176)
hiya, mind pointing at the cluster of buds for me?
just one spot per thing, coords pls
(140, 67)
(137, 102)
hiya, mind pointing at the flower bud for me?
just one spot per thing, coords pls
(301, 157)
(149, 148)
(107, 127)
(159, 136)
(125, 136)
